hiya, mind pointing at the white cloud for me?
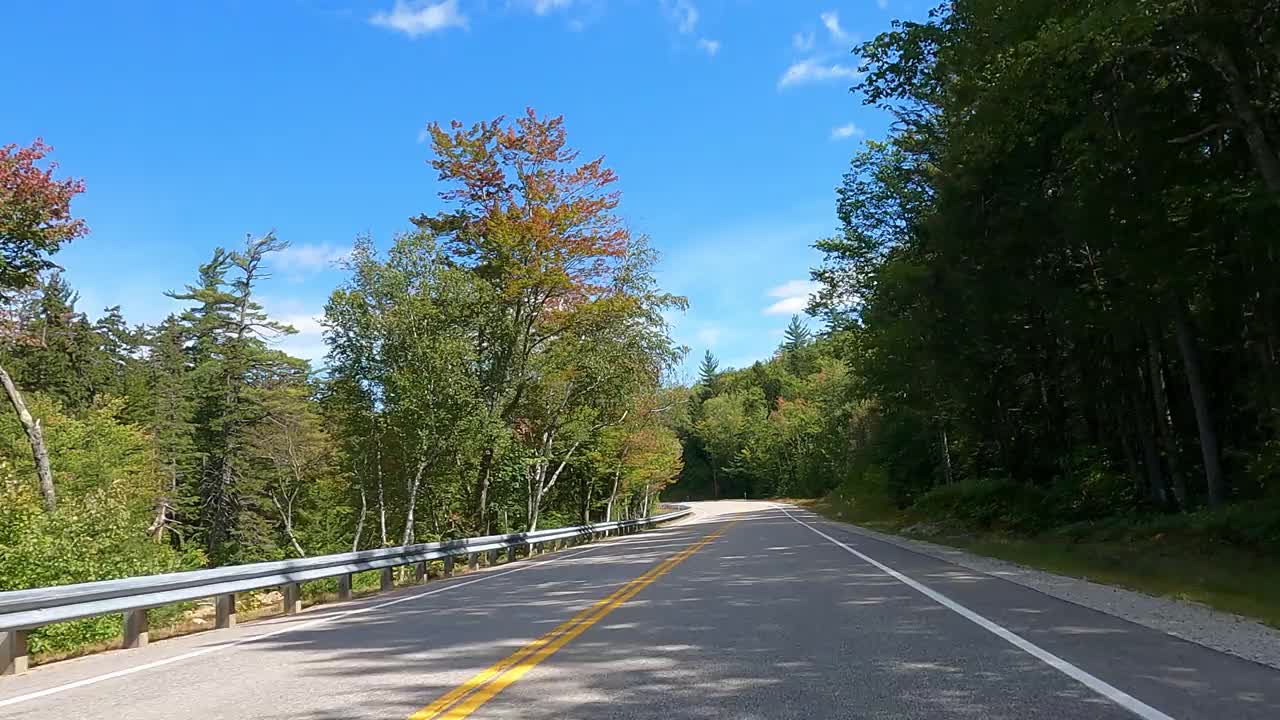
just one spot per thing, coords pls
(802, 41)
(793, 297)
(418, 17)
(543, 7)
(831, 20)
(306, 325)
(309, 257)
(809, 71)
(709, 336)
(308, 342)
(682, 13)
(844, 132)
(882, 4)
(710, 47)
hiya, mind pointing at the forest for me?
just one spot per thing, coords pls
(1053, 302)
(500, 367)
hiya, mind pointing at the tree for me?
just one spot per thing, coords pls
(35, 215)
(35, 221)
(539, 229)
(227, 327)
(797, 335)
(401, 339)
(709, 375)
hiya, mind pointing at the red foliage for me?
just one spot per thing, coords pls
(35, 213)
(526, 209)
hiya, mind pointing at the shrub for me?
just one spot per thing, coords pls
(989, 504)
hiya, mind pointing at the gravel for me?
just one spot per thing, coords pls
(1221, 631)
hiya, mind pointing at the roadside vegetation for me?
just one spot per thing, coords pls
(498, 366)
(1049, 327)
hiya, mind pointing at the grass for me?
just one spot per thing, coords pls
(1181, 565)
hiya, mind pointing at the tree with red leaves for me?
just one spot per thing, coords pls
(538, 227)
(35, 215)
(35, 220)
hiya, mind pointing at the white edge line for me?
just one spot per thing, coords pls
(1103, 688)
(57, 689)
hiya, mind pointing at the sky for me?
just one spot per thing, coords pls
(729, 123)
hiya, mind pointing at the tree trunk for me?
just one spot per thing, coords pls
(364, 507)
(613, 495)
(536, 489)
(35, 436)
(382, 503)
(1165, 429)
(946, 455)
(1255, 133)
(407, 538)
(482, 490)
(1204, 416)
(1157, 488)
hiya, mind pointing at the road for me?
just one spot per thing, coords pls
(747, 611)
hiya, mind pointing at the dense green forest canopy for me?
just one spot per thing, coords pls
(1055, 293)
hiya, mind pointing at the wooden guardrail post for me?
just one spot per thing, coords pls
(492, 559)
(420, 571)
(225, 610)
(448, 566)
(344, 587)
(473, 561)
(136, 632)
(386, 581)
(13, 652)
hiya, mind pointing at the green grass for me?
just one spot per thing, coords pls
(1173, 563)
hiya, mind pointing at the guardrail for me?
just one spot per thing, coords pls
(24, 610)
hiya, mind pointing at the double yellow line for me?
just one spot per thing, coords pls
(470, 695)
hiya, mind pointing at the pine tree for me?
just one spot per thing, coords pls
(709, 375)
(797, 335)
(167, 414)
(228, 354)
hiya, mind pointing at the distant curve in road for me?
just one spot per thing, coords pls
(749, 610)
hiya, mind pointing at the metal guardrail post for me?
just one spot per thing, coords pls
(292, 598)
(225, 608)
(13, 652)
(136, 633)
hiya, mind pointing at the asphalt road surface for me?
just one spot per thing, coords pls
(748, 610)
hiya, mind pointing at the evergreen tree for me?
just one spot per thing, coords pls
(228, 327)
(797, 336)
(709, 375)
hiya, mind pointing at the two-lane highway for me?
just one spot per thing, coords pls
(747, 611)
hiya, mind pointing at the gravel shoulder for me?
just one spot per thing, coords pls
(1224, 632)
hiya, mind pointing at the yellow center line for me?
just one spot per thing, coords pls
(470, 695)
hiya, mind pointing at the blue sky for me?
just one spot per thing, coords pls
(728, 121)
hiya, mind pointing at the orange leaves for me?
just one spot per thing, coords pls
(35, 214)
(526, 210)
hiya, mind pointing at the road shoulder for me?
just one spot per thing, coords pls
(1214, 629)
